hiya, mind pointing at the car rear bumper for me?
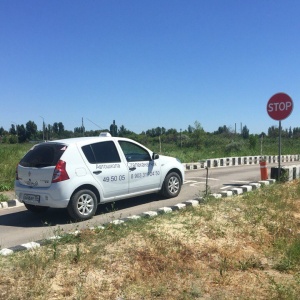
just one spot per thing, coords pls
(51, 197)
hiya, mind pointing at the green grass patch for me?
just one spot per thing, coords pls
(208, 251)
(10, 155)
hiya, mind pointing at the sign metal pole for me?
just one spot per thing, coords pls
(279, 152)
(279, 107)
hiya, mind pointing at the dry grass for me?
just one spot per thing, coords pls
(235, 248)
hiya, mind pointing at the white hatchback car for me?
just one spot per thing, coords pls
(80, 173)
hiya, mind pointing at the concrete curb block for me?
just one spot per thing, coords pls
(165, 210)
(3, 205)
(237, 191)
(10, 203)
(244, 189)
(148, 214)
(226, 193)
(293, 171)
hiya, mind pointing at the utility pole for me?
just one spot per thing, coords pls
(43, 128)
(180, 139)
(82, 126)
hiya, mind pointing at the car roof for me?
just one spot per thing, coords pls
(86, 140)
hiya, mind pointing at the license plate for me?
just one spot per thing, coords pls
(31, 198)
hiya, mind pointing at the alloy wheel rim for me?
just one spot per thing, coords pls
(173, 185)
(85, 204)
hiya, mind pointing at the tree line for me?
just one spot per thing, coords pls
(192, 135)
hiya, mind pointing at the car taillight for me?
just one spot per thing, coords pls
(60, 172)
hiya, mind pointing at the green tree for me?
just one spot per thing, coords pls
(61, 129)
(158, 131)
(124, 132)
(21, 133)
(223, 130)
(55, 128)
(252, 141)
(2, 131)
(290, 132)
(31, 130)
(114, 129)
(197, 135)
(190, 129)
(245, 132)
(273, 131)
(296, 132)
(13, 130)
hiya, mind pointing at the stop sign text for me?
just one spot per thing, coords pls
(280, 106)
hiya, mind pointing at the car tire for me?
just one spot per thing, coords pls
(172, 185)
(82, 205)
(36, 209)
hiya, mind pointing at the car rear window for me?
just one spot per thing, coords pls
(100, 153)
(43, 155)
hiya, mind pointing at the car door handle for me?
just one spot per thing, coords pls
(97, 172)
(132, 169)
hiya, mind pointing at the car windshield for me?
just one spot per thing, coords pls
(43, 155)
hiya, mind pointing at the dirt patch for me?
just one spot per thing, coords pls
(9, 194)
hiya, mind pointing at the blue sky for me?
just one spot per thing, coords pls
(148, 63)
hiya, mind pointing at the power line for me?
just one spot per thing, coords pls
(94, 123)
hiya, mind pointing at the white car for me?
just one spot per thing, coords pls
(80, 173)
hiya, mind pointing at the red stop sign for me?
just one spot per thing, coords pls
(280, 106)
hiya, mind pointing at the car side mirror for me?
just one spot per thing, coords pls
(155, 156)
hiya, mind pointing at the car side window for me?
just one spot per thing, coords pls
(134, 152)
(100, 153)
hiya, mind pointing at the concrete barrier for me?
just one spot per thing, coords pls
(239, 161)
(287, 173)
(235, 161)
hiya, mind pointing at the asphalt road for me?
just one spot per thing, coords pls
(19, 226)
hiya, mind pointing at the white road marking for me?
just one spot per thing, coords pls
(194, 184)
(189, 181)
(226, 187)
(241, 181)
(209, 178)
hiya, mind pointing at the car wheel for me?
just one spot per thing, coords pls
(82, 205)
(172, 185)
(36, 209)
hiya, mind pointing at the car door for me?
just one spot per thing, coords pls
(144, 172)
(104, 163)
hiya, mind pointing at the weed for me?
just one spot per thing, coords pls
(223, 267)
(291, 257)
(3, 198)
(250, 263)
(55, 249)
(5, 187)
(283, 290)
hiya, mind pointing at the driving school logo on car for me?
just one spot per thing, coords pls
(30, 183)
(150, 164)
(110, 166)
